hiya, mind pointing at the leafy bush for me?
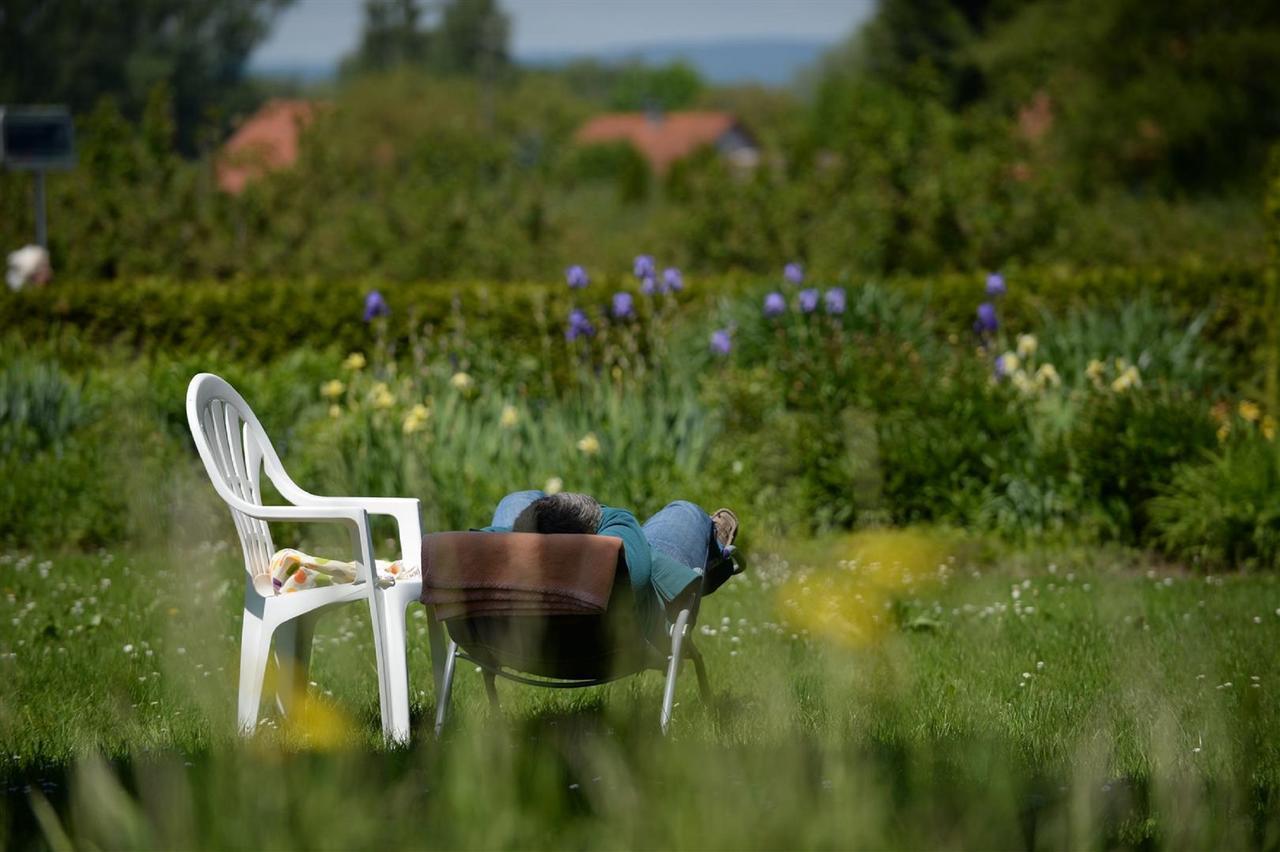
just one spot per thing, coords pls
(1224, 511)
(39, 407)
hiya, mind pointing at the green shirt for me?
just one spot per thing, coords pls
(656, 579)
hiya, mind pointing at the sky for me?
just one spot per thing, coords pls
(322, 31)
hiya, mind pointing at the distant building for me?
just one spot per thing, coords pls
(664, 138)
(265, 142)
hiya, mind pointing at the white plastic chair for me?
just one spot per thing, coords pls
(235, 449)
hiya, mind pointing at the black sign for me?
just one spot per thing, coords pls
(36, 138)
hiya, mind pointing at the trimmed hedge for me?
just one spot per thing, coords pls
(258, 321)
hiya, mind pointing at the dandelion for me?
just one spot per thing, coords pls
(375, 306)
(332, 389)
(589, 444)
(774, 304)
(1027, 345)
(382, 396)
(576, 277)
(509, 417)
(834, 300)
(554, 485)
(579, 325)
(672, 279)
(355, 361)
(808, 301)
(987, 322)
(461, 381)
(643, 266)
(721, 343)
(623, 306)
(1250, 411)
(1047, 376)
(995, 285)
(793, 273)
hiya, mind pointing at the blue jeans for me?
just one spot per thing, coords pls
(680, 529)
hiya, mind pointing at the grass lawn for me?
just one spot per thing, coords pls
(897, 690)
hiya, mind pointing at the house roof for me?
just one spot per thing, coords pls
(661, 138)
(266, 141)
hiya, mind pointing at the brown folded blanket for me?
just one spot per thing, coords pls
(488, 573)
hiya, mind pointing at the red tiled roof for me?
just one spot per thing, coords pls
(660, 139)
(266, 141)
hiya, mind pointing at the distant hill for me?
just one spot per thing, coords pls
(772, 62)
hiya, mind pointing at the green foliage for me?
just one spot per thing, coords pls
(471, 37)
(39, 407)
(67, 51)
(1223, 511)
(667, 87)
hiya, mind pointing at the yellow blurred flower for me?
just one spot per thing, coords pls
(1009, 363)
(1047, 376)
(1027, 345)
(1269, 427)
(461, 381)
(1022, 382)
(589, 444)
(509, 417)
(332, 389)
(416, 418)
(616, 372)
(1224, 431)
(1094, 371)
(355, 361)
(1128, 378)
(382, 397)
(554, 485)
(1250, 411)
(335, 411)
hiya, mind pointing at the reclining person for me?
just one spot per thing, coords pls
(665, 557)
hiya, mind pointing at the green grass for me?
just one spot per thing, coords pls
(902, 690)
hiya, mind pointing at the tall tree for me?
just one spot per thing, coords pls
(76, 51)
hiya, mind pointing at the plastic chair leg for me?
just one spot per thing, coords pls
(293, 641)
(700, 667)
(673, 667)
(397, 675)
(446, 686)
(255, 649)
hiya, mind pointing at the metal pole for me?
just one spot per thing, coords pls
(42, 230)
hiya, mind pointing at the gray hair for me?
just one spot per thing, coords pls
(560, 513)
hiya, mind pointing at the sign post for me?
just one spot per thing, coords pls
(37, 139)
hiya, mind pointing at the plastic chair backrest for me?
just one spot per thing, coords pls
(234, 448)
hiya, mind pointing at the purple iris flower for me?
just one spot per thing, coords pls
(623, 306)
(720, 342)
(794, 273)
(375, 306)
(834, 300)
(808, 301)
(986, 322)
(579, 326)
(774, 304)
(672, 279)
(644, 267)
(995, 285)
(648, 285)
(576, 277)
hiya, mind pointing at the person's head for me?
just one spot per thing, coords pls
(560, 513)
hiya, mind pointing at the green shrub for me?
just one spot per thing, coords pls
(1224, 511)
(39, 407)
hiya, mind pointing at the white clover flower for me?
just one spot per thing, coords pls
(461, 381)
(554, 485)
(509, 418)
(1009, 363)
(1047, 376)
(1027, 345)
